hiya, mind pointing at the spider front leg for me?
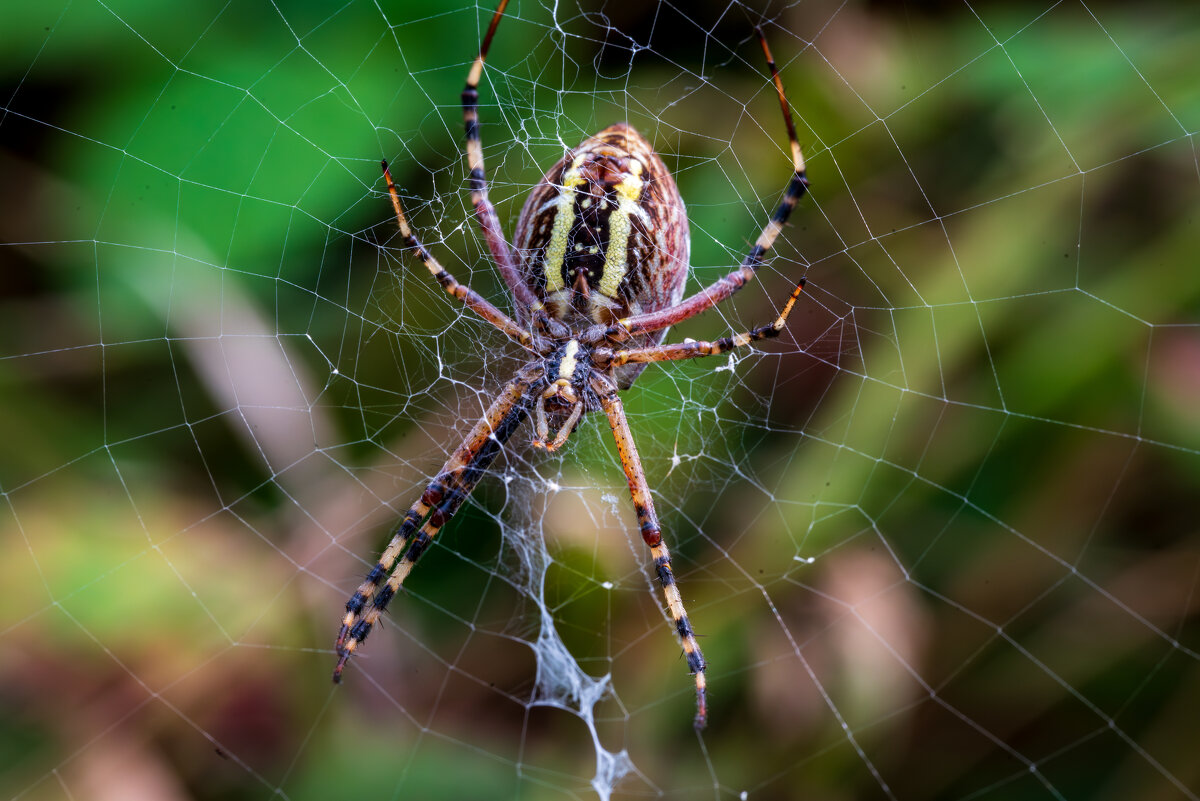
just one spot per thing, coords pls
(726, 286)
(469, 297)
(643, 505)
(440, 500)
(485, 212)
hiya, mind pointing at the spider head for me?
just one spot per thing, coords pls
(560, 403)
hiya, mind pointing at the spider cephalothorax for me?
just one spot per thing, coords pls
(598, 275)
(566, 396)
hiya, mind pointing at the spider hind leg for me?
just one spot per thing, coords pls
(438, 503)
(643, 505)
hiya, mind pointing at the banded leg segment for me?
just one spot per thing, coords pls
(643, 505)
(485, 212)
(469, 297)
(725, 287)
(440, 500)
(694, 350)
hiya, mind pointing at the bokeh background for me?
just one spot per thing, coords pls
(941, 538)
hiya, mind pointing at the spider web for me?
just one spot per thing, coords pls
(939, 538)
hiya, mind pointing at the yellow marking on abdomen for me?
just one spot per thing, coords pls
(616, 258)
(556, 249)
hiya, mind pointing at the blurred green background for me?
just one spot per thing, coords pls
(941, 538)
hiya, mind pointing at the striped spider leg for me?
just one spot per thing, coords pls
(726, 286)
(437, 504)
(485, 212)
(639, 490)
(693, 349)
(597, 275)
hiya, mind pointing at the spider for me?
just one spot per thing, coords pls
(597, 276)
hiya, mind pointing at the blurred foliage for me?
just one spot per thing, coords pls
(960, 494)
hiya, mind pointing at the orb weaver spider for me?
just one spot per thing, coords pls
(600, 263)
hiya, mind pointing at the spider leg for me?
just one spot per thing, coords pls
(693, 349)
(440, 500)
(643, 505)
(469, 297)
(724, 287)
(485, 212)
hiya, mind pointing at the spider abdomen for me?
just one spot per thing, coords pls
(604, 235)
